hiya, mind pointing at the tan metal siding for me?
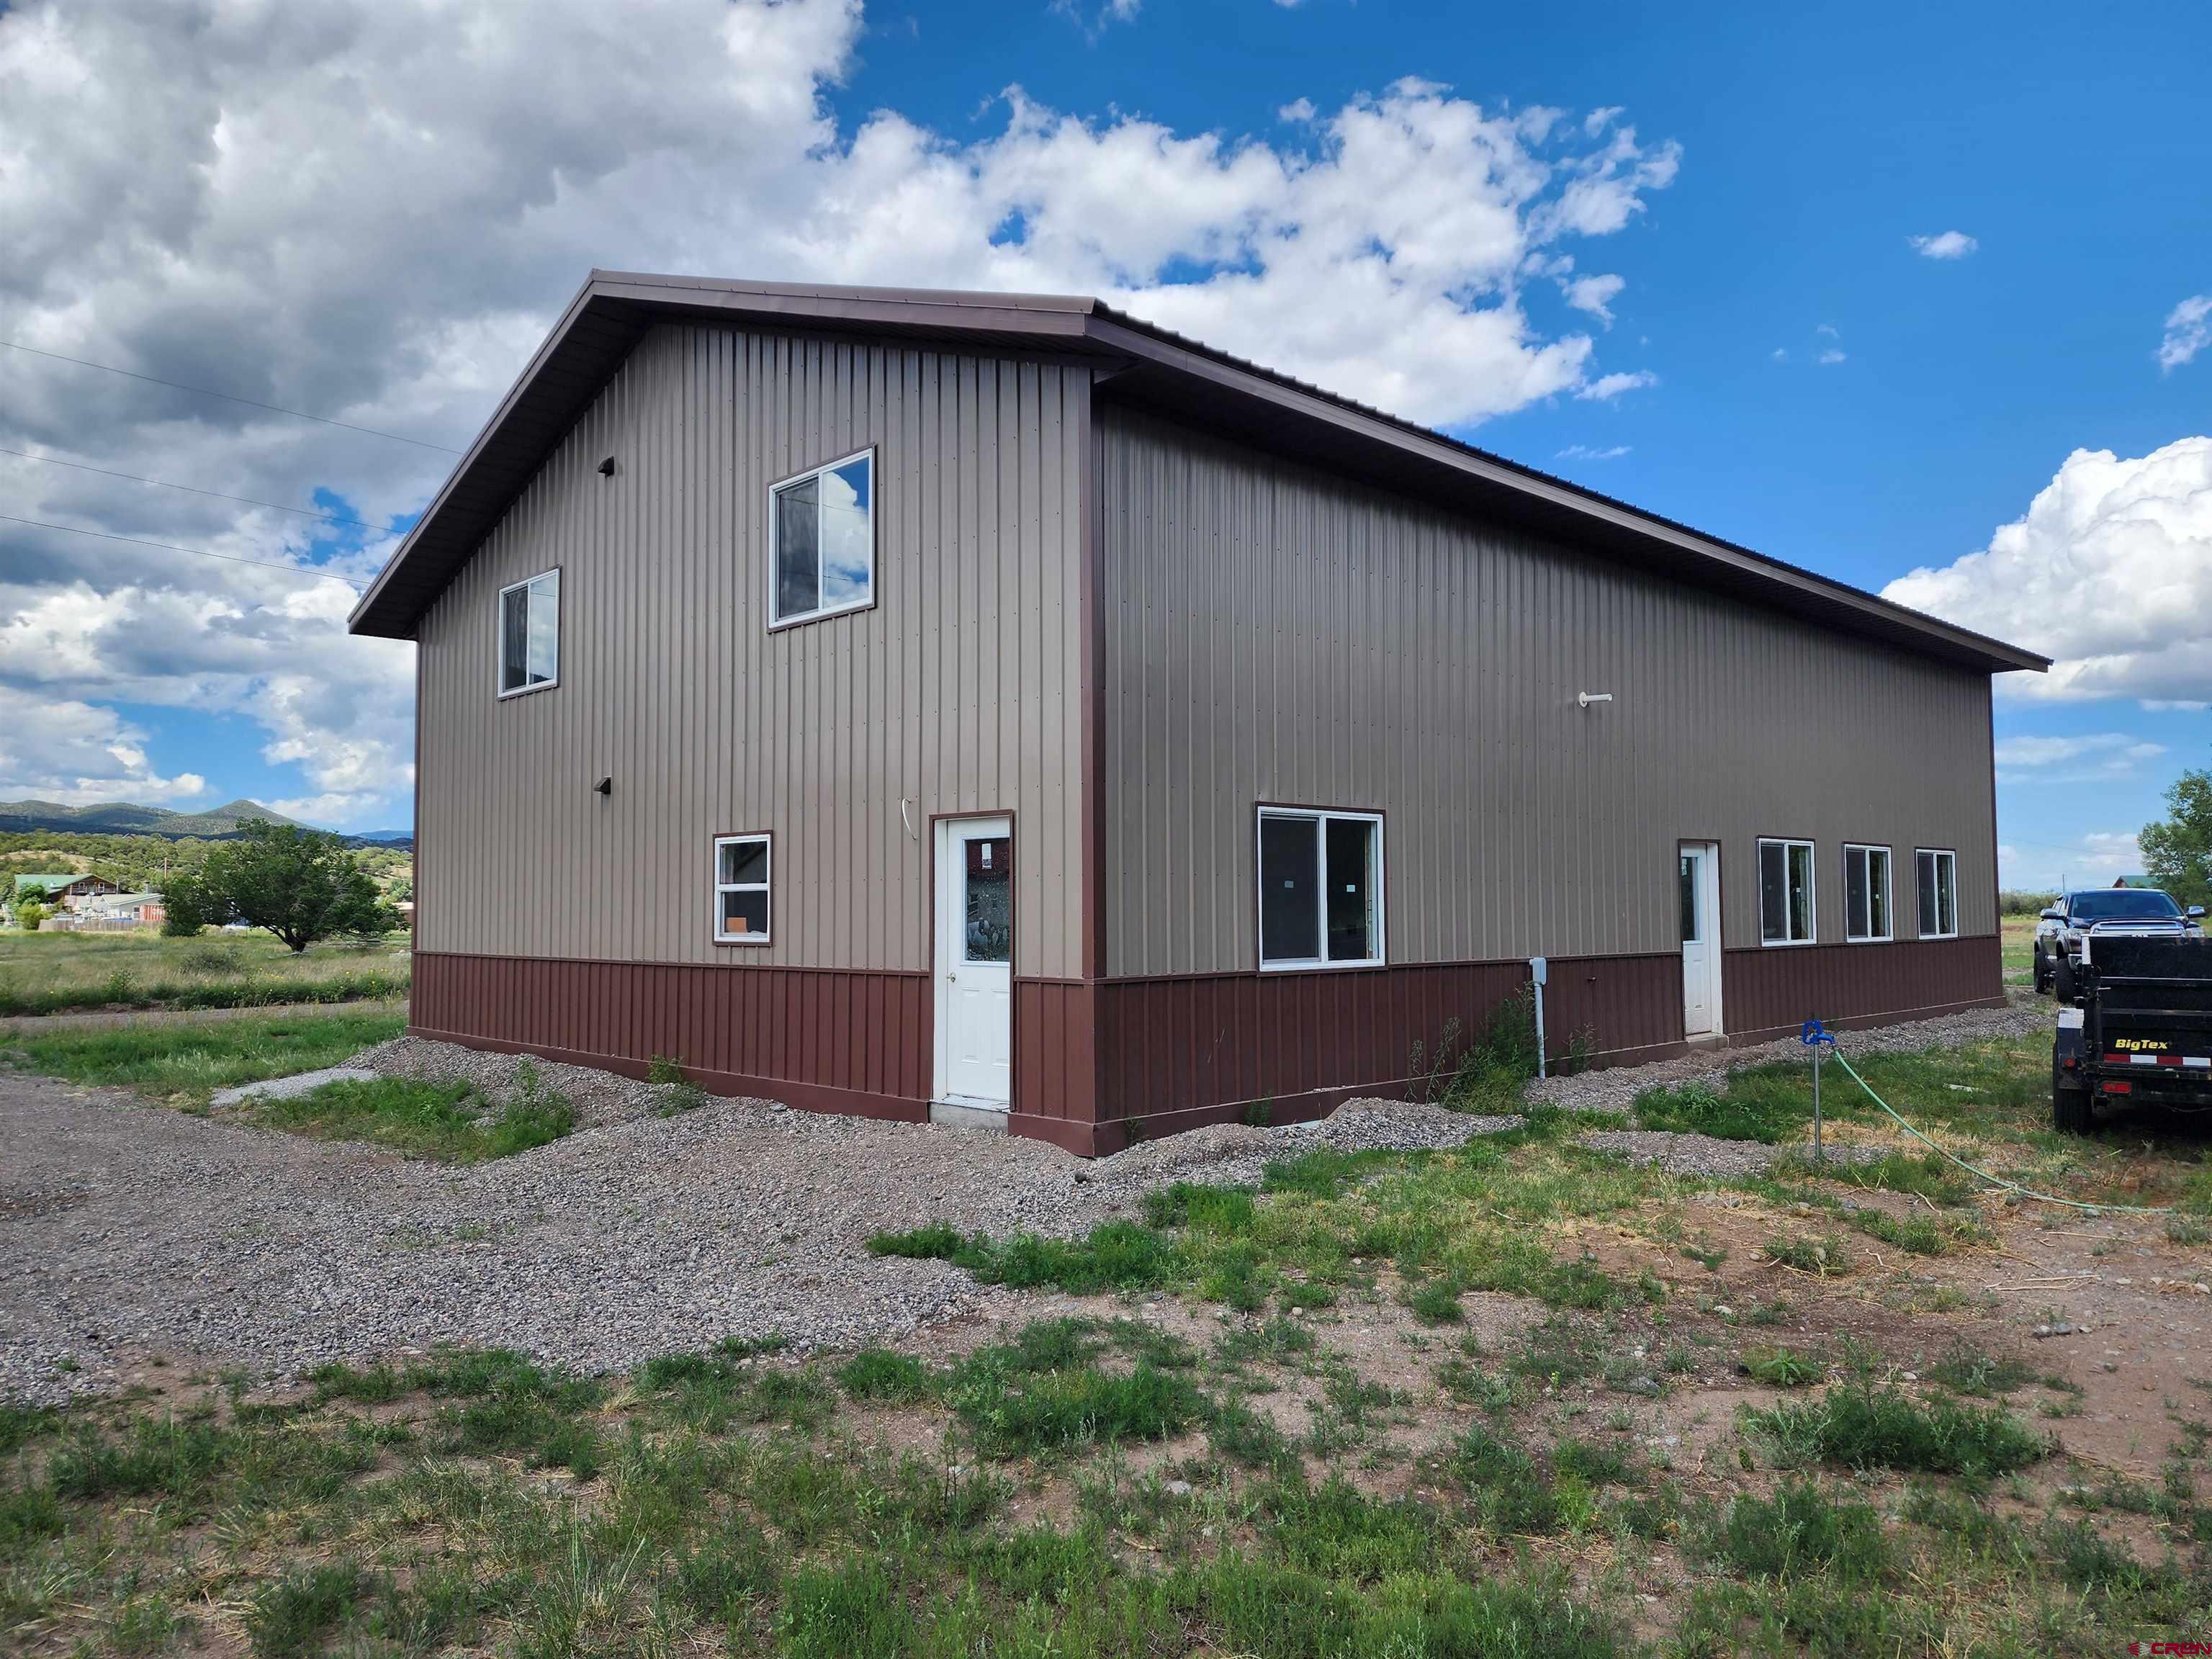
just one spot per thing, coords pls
(957, 690)
(1273, 632)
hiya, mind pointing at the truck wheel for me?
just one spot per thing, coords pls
(2042, 972)
(2069, 1104)
(2062, 981)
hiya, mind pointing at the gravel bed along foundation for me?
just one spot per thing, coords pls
(1614, 1090)
(129, 1230)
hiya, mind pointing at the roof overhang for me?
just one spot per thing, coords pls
(1151, 368)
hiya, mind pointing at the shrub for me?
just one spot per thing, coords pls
(1863, 1428)
(1782, 1368)
(1800, 1531)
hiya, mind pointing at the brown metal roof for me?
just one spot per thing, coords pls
(1147, 365)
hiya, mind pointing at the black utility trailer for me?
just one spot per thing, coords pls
(2143, 1033)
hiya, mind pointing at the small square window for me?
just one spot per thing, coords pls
(1866, 894)
(741, 889)
(1937, 873)
(823, 526)
(1785, 893)
(1321, 889)
(530, 635)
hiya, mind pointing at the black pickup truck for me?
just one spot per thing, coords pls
(2143, 1032)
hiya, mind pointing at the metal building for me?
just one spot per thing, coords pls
(897, 700)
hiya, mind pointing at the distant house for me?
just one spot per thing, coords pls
(119, 912)
(65, 890)
(919, 703)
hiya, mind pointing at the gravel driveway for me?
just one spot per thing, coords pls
(128, 1231)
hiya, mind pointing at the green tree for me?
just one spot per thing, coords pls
(29, 914)
(184, 908)
(2177, 850)
(300, 885)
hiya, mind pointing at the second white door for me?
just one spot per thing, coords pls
(1700, 889)
(976, 961)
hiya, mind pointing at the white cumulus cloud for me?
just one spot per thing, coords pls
(1608, 386)
(372, 209)
(1946, 245)
(2109, 573)
(2187, 328)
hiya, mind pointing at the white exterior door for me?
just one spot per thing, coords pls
(976, 961)
(1700, 888)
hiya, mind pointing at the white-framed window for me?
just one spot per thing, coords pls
(741, 889)
(1866, 894)
(530, 635)
(1936, 872)
(822, 534)
(1321, 888)
(1786, 916)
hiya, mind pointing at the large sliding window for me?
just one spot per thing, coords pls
(530, 636)
(1785, 893)
(1937, 873)
(1321, 888)
(1866, 894)
(823, 525)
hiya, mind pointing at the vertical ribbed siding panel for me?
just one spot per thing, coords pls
(957, 691)
(1276, 633)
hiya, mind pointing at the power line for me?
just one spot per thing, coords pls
(197, 552)
(162, 483)
(204, 392)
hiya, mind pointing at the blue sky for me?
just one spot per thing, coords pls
(1807, 380)
(1816, 141)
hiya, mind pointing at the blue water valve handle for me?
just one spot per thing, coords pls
(1812, 1034)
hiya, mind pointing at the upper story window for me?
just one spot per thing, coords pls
(1321, 889)
(1866, 894)
(530, 635)
(1938, 873)
(823, 527)
(1785, 893)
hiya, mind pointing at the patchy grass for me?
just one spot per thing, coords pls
(188, 1062)
(1095, 1486)
(447, 1122)
(64, 973)
(1046, 1392)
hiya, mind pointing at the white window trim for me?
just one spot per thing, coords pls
(1888, 895)
(776, 620)
(1311, 964)
(765, 885)
(1940, 854)
(1812, 891)
(499, 657)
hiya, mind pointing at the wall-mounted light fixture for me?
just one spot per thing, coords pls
(604, 787)
(607, 467)
(1584, 699)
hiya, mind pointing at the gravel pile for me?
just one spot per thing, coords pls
(1238, 1155)
(1704, 1155)
(599, 1097)
(1615, 1090)
(128, 1231)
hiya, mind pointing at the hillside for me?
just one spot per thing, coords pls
(123, 819)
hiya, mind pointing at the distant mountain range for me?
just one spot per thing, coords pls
(124, 819)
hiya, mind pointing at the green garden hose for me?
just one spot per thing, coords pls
(1995, 1180)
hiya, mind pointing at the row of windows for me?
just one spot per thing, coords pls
(1321, 890)
(1789, 895)
(822, 525)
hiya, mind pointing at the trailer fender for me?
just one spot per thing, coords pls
(2066, 1049)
